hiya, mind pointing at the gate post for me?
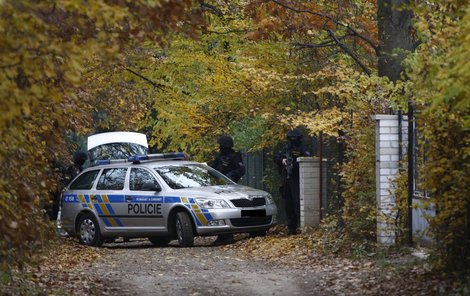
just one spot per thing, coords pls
(387, 165)
(310, 205)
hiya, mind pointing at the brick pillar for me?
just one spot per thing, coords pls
(387, 165)
(310, 190)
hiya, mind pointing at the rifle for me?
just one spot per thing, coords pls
(290, 163)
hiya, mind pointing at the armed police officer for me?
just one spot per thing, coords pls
(66, 175)
(79, 158)
(286, 160)
(230, 163)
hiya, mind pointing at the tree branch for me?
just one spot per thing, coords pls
(320, 45)
(349, 52)
(243, 83)
(153, 83)
(226, 32)
(310, 45)
(416, 44)
(329, 18)
(213, 9)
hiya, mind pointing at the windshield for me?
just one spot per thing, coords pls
(190, 176)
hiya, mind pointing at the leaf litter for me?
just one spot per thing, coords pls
(60, 269)
(339, 274)
(63, 268)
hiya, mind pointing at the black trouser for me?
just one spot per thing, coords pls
(291, 195)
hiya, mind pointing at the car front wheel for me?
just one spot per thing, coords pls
(184, 229)
(89, 231)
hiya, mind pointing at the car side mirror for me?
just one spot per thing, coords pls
(151, 186)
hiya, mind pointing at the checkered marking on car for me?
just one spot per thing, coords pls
(201, 216)
(102, 203)
(102, 206)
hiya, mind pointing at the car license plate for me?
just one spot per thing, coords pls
(253, 213)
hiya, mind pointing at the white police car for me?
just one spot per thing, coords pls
(162, 197)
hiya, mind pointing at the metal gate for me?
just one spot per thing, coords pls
(260, 168)
(416, 151)
(254, 165)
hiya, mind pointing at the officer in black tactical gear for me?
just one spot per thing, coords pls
(286, 161)
(79, 158)
(59, 169)
(230, 163)
(66, 175)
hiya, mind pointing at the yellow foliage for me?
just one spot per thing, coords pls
(441, 76)
(325, 121)
(46, 49)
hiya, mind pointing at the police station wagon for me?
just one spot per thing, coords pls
(162, 197)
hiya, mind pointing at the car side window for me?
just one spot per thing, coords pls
(85, 181)
(112, 179)
(139, 177)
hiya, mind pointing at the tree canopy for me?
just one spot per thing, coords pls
(48, 49)
(185, 72)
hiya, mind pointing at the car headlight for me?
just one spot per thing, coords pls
(207, 203)
(269, 199)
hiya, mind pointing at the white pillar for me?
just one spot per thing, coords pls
(387, 164)
(309, 175)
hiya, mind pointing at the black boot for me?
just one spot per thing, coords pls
(224, 239)
(292, 231)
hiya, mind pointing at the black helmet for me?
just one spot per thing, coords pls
(79, 157)
(294, 134)
(225, 141)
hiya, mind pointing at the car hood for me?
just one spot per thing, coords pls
(224, 191)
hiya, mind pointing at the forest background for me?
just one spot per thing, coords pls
(185, 72)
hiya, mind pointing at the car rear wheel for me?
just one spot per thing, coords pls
(160, 240)
(89, 231)
(184, 229)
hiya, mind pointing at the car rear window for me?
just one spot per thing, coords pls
(112, 179)
(139, 177)
(85, 181)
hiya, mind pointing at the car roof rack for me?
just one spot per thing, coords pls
(136, 159)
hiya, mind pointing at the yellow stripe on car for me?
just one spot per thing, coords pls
(199, 214)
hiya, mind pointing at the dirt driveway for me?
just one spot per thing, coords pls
(273, 265)
(138, 268)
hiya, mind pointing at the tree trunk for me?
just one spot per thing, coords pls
(394, 22)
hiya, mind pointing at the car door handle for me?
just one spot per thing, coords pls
(128, 198)
(94, 198)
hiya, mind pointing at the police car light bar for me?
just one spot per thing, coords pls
(138, 158)
(158, 156)
(108, 161)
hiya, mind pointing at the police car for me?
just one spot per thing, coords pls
(162, 197)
